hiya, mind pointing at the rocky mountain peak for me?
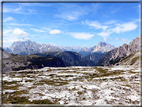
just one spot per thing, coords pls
(125, 46)
(101, 44)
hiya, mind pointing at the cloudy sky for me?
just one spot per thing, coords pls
(71, 24)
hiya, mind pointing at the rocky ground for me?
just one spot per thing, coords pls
(119, 85)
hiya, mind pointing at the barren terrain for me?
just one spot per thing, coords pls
(118, 85)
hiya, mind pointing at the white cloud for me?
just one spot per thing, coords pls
(6, 31)
(125, 27)
(8, 19)
(81, 35)
(16, 24)
(35, 4)
(6, 10)
(96, 24)
(55, 31)
(14, 39)
(105, 39)
(119, 28)
(124, 40)
(104, 34)
(52, 44)
(116, 38)
(18, 10)
(70, 12)
(12, 10)
(110, 22)
(20, 32)
(11, 35)
(74, 15)
(37, 30)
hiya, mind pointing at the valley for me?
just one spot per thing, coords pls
(67, 78)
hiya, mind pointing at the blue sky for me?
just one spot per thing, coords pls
(71, 24)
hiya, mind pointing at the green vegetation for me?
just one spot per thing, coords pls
(134, 60)
(45, 101)
(79, 92)
(52, 82)
(128, 57)
(11, 98)
(9, 83)
(23, 100)
(34, 56)
(101, 70)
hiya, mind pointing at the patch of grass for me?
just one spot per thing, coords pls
(127, 85)
(35, 56)
(132, 102)
(134, 60)
(11, 99)
(132, 72)
(45, 101)
(79, 92)
(104, 73)
(9, 83)
(15, 87)
(101, 70)
(30, 76)
(54, 82)
(128, 57)
(20, 92)
(53, 75)
(29, 80)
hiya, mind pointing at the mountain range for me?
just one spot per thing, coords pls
(123, 55)
(28, 47)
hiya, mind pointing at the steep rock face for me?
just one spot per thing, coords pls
(121, 51)
(94, 57)
(69, 58)
(134, 45)
(132, 59)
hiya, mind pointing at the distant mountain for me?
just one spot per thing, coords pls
(73, 48)
(28, 47)
(119, 52)
(69, 58)
(101, 47)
